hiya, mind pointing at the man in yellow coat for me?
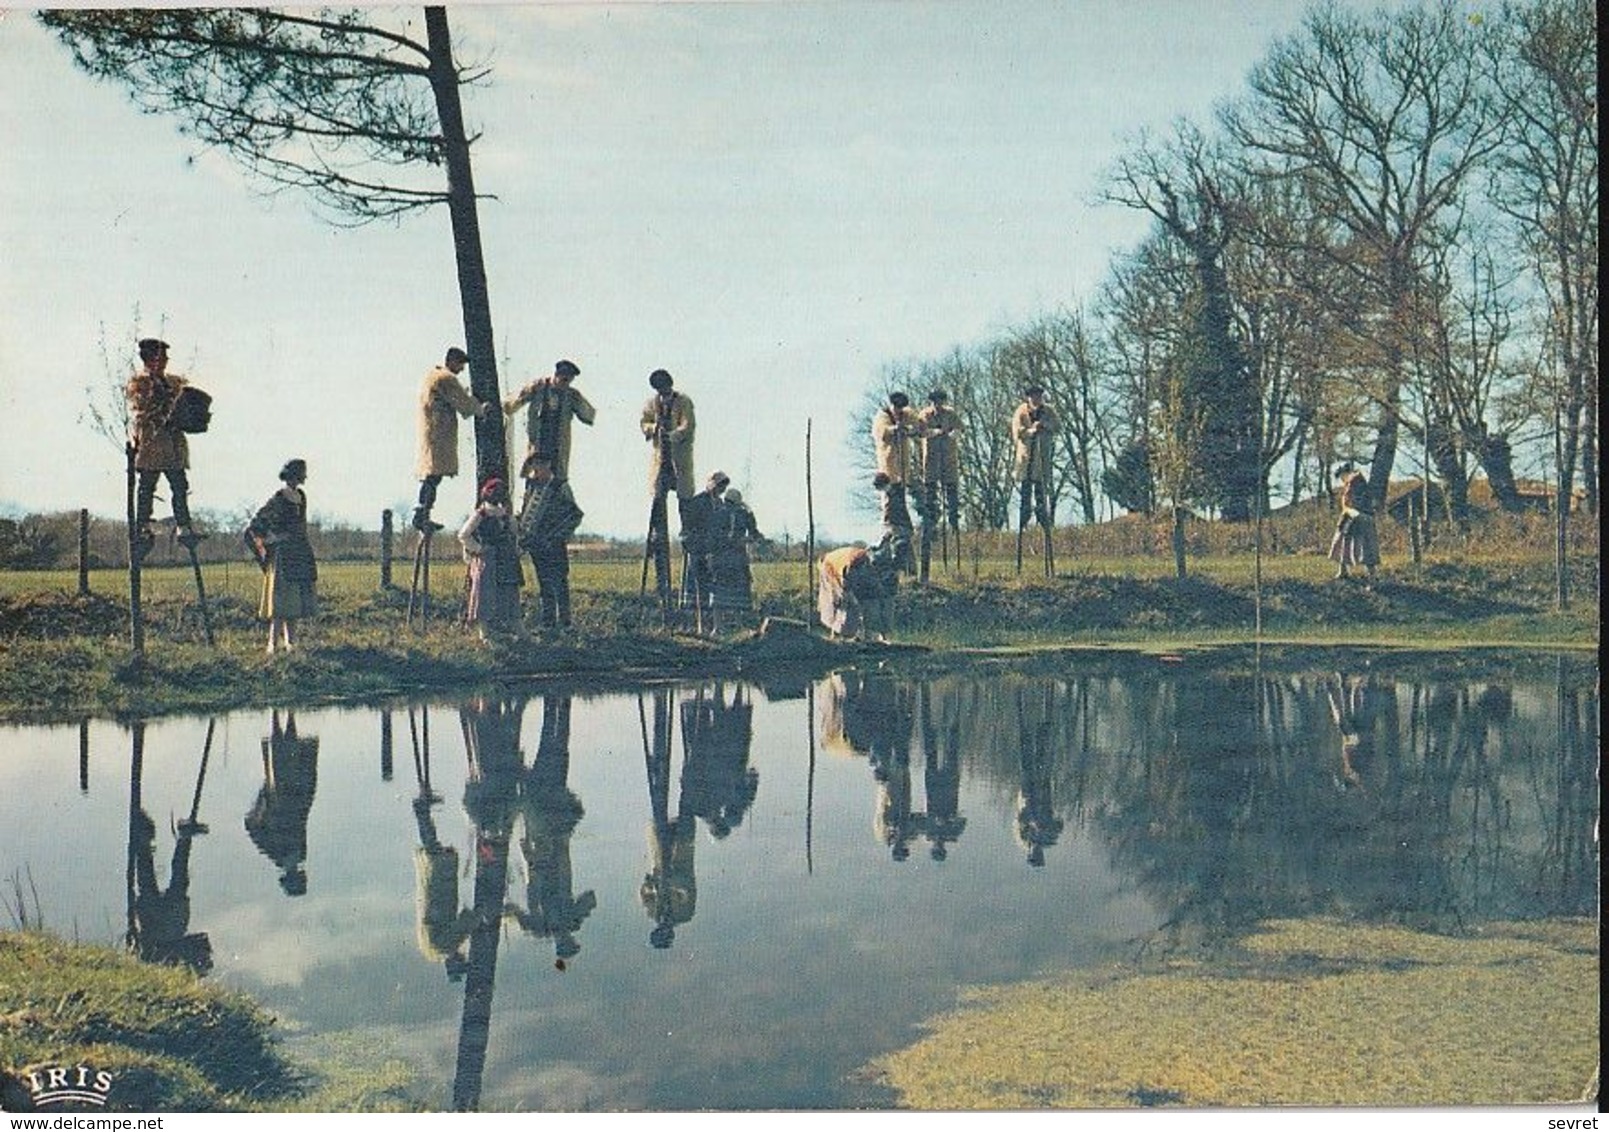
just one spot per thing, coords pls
(1033, 430)
(895, 428)
(668, 424)
(443, 398)
(941, 457)
(554, 402)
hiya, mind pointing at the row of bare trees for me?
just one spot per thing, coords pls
(1384, 250)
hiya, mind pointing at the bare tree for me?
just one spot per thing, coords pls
(1180, 183)
(1380, 120)
(363, 117)
(985, 402)
(1545, 65)
(1469, 327)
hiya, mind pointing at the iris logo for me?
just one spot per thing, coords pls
(77, 1084)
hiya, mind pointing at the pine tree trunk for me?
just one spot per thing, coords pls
(491, 451)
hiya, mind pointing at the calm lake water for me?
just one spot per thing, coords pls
(730, 896)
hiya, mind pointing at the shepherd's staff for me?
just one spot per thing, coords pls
(810, 522)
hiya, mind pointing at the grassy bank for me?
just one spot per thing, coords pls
(1314, 1013)
(65, 655)
(167, 1041)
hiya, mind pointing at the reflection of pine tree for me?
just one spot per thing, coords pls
(492, 740)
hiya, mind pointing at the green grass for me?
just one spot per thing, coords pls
(63, 656)
(171, 1042)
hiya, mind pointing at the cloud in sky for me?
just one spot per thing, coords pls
(770, 200)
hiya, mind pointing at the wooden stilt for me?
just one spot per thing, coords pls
(201, 588)
(419, 588)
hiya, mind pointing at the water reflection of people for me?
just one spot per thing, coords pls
(1038, 827)
(1354, 706)
(878, 719)
(549, 813)
(670, 890)
(443, 925)
(159, 918)
(277, 821)
(941, 776)
(718, 784)
(895, 824)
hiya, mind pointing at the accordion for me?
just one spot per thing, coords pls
(192, 410)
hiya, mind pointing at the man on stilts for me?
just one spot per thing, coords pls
(941, 475)
(668, 425)
(895, 428)
(1033, 429)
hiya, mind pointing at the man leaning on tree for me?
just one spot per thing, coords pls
(443, 398)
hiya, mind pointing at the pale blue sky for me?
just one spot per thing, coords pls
(770, 200)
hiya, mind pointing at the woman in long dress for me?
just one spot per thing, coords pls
(1355, 542)
(731, 576)
(493, 558)
(277, 535)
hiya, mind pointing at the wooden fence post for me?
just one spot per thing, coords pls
(386, 535)
(136, 615)
(83, 552)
